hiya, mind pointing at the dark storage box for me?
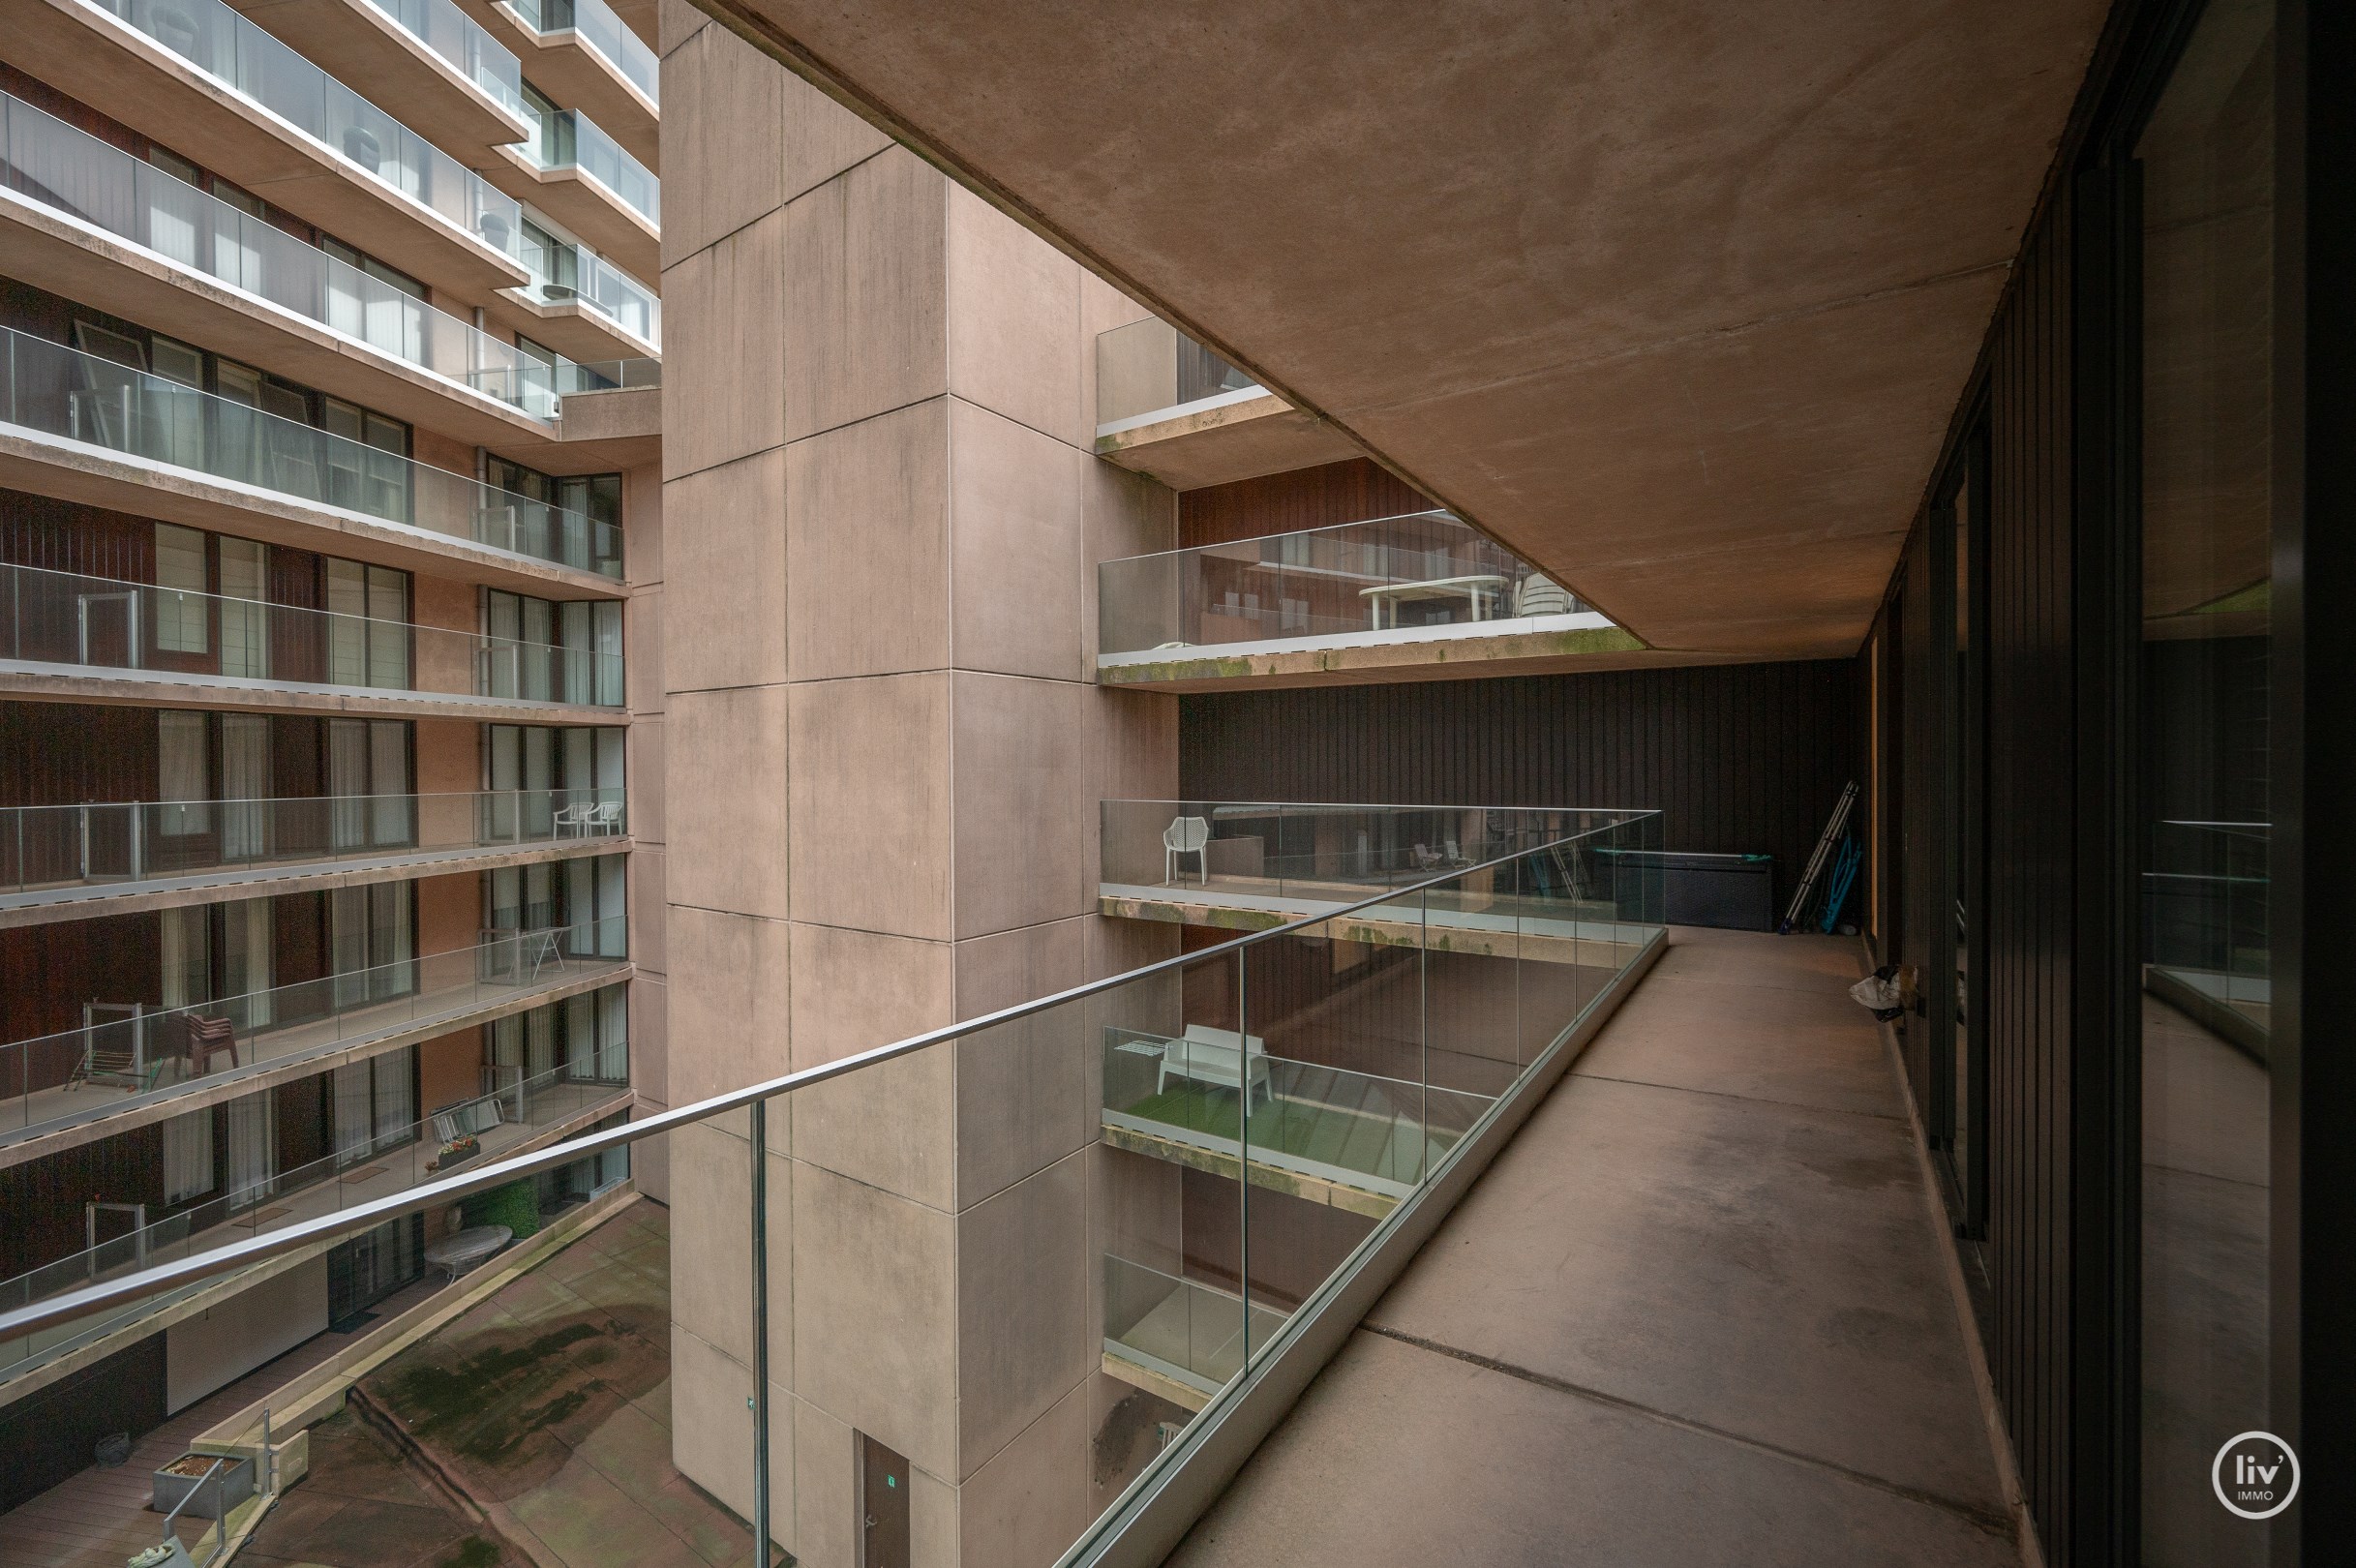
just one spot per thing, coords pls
(1733, 891)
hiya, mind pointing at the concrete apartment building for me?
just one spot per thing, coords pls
(1144, 789)
(330, 521)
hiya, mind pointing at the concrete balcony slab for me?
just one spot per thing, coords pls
(72, 258)
(594, 215)
(354, 42)
(570, 70)
(99, 477)
(93, 55)
(1238, 436)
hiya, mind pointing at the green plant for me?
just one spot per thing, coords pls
(517, 1206)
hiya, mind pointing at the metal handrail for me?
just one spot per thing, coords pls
(81, 1303)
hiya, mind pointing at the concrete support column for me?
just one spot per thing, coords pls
(885, 750)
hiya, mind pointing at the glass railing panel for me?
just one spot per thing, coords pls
(2206, 938)
(1114, 1202)
(570, 139)
(1149, 371)
(249, 61)
(65, 168)
(1297, 856)
(382, 1164)
(61, 392)
(131, 1052)
(106, 623)
(62, 848)
(462, 45)
(602, 31)
(1401, 576)
(563, 273)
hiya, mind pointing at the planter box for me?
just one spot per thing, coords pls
(231, 1484)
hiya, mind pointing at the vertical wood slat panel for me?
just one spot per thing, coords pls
(1745, 759)
(1331, 494)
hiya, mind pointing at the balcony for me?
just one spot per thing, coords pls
(583, 305)
(1170, 407)
(71, 862)
(104, 639)
(427, 55)
(134, 1063)
(1417, 597)
(1148, 1294)
(583, 53)
(218, 89)
(520, 1116)
(581, 177)
(115, 436)
(1247, 865)
(210, 272)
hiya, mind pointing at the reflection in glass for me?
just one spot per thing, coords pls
(2207, 257)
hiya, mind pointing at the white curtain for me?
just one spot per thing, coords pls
(355, 1121)
(614, 1035)
(244, 616)
(348, 623)
(252, 1149)
(395, 1094)
(188, 1155)
(245, 786)
(246, 930)
(187, 956)
(180, 773)
(182, 617)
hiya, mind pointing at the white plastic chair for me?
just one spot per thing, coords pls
(1186, 836)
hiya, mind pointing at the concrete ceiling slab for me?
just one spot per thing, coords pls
(1674, 299)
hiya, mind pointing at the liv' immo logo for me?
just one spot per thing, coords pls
(2255, 1476)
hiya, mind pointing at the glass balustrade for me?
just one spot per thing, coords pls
(608, 375)
(71, 173)
(461, 45)
(57, 391)
(1297, 856)
(65, 849)
(1114, 1203)
(106, 623)
(1395, 579)
(250, 62)
(569, 138)
(1149, 371)
(563, 273)
(130, 1052)
(378, 1162)
(602, 31)
(2205, 911)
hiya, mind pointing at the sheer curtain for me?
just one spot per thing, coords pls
(253, 1173)
(188, 1155)
(245, 786)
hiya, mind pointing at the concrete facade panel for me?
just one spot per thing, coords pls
(870, 804)
(867, 551)
(725, 550)
(728, 828)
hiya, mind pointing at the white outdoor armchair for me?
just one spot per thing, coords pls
(1186, 836)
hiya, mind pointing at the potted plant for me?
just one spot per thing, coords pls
(463, 1147)
(191, 1484)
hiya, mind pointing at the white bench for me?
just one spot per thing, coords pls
(1217, 1057)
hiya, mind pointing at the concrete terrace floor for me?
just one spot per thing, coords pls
(1696, 1313)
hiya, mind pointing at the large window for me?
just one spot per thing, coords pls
(2206, 968)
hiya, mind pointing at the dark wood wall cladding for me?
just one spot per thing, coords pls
(47, 1435)
(66, 753)
(52, 969)
(43, 1198)
(1319, 497)
(2030, 837)
(67, 536)
(1744, 758)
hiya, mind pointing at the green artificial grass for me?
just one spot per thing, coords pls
(1342, 1135)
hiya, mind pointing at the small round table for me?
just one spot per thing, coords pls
(455, 1254)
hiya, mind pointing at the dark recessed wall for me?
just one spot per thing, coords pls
(1744, 758)
(1319, 497)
